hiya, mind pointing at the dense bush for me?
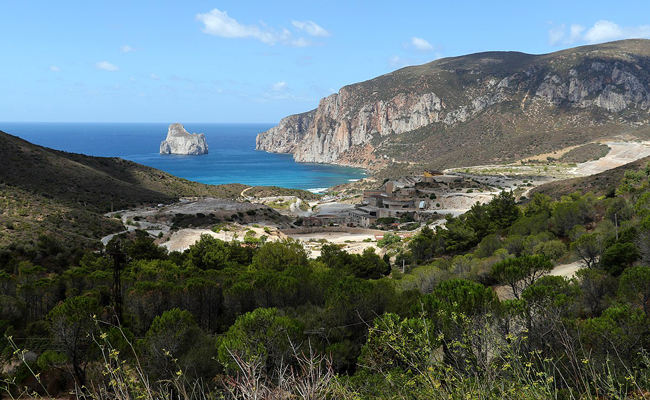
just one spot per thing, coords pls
(263, 319)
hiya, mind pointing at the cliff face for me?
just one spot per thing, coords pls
(285, 137)
(452, 99)
(179, 141)
(324, 134)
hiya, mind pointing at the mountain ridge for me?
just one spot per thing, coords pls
(480, 108)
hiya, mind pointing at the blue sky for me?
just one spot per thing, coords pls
(258, 61)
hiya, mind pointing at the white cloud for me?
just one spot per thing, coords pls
(602, 31)
(218, 23)
(556, 34)
(607, 30)
(154, 76)
(311, 28)
(575, 32)
(106, 66)
(421, 44)
(54, 68)
(280, 86)
(129, 49)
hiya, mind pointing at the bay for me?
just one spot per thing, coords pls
(232, 157)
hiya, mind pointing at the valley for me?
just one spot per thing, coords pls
(331, 219)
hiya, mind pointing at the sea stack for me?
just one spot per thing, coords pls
(179, 141)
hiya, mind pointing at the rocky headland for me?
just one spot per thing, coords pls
(179, 141)
(475, 109)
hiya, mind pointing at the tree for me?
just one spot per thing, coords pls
(369, 265)
(169, 339)
(589, 248)
(366, 266)
(634, 287)
(12, 310)
(203, 298)
(503, 210)
(334, 257)
(212, 253)
(618, 257)
(539, 204)
(488, 246)
(514, 244)
(423, 245)
(462, 297)
(280, 255)
(618, 210)
(144, 248)
(500, 213)
(73, 324)
(265, 336)
(618, 332)
(571, 211)
(398, 355)
(520, 273)
(458, 236)
(550, 302)
(596, 287)
(462, 265)
(553, 249)
(642, 206)
(461, 311)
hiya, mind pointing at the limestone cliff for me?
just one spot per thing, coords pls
(179, 141)
(478, 108)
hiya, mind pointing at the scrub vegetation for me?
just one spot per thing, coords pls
(263, 320)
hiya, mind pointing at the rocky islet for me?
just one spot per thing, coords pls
(179, 141)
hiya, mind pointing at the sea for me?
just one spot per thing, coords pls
(231, 157)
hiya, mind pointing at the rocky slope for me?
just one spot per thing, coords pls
(479, 108)
(179, 141)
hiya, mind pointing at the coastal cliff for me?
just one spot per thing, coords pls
(485, 107)
(179, 141)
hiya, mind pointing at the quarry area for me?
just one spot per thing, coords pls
(356, 218)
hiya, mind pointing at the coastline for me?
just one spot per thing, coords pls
(232, 156)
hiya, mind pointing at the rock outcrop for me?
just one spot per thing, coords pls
(510, 102)
(179, 141)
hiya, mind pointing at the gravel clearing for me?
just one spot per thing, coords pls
(621, 153)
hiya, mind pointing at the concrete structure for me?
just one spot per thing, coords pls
(363, 216)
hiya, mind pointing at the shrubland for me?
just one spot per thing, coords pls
(263, 320)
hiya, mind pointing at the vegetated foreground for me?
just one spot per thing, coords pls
(255, 319)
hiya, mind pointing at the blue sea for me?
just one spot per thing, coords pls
(231, 159)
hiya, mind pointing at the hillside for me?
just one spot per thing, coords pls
(600, 184)
(50, 193)
(476, 109)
